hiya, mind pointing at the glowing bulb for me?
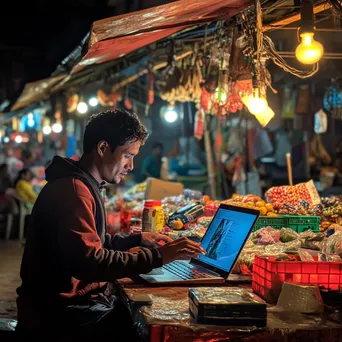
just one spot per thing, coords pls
(30, 122)
(309, 51)
(18, 139)
(57, 127)
(82, 108)
(257, 105)
(46, 130)
(93, 101)
(30, 116)
(171, 115)
(6, 140)
(223, 95)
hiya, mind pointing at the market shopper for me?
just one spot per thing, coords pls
(68, 256)
(151, 166)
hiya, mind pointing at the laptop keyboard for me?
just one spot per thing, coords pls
(186, 271)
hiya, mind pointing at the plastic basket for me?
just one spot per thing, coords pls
(297, 223)
(269, 275)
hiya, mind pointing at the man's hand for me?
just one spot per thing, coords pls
(180, 249)
(154, 238)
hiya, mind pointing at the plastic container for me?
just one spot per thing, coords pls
(269, 275)
(125, 218)
(153, 217)
(298, 223)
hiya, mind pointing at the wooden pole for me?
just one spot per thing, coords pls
(289, 168)
(296, 17)
(210, 161)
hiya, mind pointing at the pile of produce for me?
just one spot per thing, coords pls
(281, 196)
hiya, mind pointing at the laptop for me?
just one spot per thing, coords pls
(223, 242)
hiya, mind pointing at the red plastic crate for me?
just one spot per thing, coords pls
(269, 275)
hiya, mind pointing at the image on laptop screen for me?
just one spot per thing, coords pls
(224, 238)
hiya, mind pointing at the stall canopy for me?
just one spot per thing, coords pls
(115, 37)
(36, 91)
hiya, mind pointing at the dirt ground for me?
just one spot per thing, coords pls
(10, 259)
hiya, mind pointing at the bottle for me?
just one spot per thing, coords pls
(153, 217)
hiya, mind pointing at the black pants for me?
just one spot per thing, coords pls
(90, 320)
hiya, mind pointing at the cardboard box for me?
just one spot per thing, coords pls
(157, 189)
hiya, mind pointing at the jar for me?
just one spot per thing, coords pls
(153, 217)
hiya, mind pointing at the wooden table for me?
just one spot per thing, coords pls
(169, 320)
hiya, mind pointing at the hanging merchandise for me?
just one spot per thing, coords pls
(289, 103)
(253, 178)
(321, 122)
(104, 99)
(239, 176)
(150, 96)
(262, 145)
(199, 124)
(332, 100)
(318, 151)
(283, 146)
(303, 100)
(72, 103)
(234, 103)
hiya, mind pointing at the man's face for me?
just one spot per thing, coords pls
(117, 164)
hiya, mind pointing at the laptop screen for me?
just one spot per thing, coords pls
(225, 237)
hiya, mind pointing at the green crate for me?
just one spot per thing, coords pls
(298, 223)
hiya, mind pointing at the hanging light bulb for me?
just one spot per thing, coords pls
(221, 96)
(82, 107)
(57, 127)
(47, 130)
(18, 139)
(308, 51)
(255, 103)
(93, 101)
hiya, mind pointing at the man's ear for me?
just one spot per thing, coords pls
(102, 147)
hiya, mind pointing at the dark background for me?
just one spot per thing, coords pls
(36, 35)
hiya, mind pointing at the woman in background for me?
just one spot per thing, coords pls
(24, 188)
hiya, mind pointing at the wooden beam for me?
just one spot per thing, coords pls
(293, 18)
(144, 71)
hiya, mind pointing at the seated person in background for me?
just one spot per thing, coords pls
(5, 179)
(24, 188)
(6, 201)
(151, 166)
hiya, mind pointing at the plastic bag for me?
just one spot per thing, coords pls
(333, 244)
(287, 235)
(266, 236)
(321, 122)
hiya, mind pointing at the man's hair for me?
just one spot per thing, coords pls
(116, 127)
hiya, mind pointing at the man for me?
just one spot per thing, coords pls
(151, 166)
(68, 256)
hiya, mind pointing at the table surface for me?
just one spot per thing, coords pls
(170, 312)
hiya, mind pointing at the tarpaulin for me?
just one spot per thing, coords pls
(36, 91)
(115, 37)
